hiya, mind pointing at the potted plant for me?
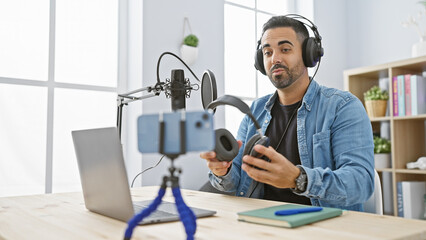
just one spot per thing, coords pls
(382, 149)
(189, 49)
(376, 101)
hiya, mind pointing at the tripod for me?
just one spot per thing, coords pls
(185, 213)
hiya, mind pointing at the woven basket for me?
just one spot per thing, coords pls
(376, 108)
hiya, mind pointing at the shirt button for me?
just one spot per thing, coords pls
(266, 121)
(241, 193)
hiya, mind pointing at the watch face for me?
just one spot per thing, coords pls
(301, 181)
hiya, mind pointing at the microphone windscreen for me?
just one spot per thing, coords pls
(208, 88)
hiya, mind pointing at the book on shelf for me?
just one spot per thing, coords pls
(401, 95)
(407, 86)
(395, 96)
(410, 199)
(266, 216)
(408, 95)
(418, 94)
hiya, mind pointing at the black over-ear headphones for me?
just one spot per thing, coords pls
(226, 146)
(312, 50)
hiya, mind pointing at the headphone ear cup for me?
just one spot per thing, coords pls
(258, 61)
(310, 52)
(226, 146)
(250, 144)
(256, 139)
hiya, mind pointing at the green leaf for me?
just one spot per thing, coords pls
(381, 145)
(191, 40)
(375, 93)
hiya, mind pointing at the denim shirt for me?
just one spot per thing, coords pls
(336, 148)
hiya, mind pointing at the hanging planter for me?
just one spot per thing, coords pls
(189, 48)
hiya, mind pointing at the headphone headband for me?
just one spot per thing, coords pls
(235, 102)
(312, 26)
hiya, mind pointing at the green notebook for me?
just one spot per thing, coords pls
(266, 216)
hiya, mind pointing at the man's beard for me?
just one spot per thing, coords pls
(285, 79)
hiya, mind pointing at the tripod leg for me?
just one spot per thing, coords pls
(131, 224)
(185, 213)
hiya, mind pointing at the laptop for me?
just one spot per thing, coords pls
(104, 179)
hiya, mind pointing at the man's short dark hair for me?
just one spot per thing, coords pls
(283, 21)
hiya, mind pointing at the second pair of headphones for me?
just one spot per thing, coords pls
(226, 146)
(312, 50)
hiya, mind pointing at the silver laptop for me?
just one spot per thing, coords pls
(104, 179)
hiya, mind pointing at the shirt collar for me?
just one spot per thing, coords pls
(270, 103)
(308, 99)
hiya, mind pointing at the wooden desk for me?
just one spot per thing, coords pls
(64, 216)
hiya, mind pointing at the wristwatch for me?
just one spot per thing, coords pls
(301, 181)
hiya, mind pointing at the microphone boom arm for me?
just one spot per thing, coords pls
(126, 98)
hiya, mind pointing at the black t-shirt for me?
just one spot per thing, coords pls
(281, 115)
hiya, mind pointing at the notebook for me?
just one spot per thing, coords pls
(104, 179)
(266, 216)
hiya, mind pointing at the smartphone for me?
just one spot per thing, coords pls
(194, 129)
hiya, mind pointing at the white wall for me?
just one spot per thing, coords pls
(163, 22)
(362, 33)
(329, 17)
(374, 31)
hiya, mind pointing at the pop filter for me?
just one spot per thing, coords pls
(208, 88)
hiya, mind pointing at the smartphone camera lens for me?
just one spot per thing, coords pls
(205, 116)
(198, 124)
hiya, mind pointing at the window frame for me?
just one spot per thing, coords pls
(51, 84)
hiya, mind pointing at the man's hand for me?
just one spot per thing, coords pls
(280, 172)
(217, 167)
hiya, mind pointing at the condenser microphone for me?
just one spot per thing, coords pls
(178, 89)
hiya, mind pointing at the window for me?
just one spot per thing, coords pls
(58, 73)
(243, 28)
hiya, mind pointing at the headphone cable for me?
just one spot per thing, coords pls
(147, 170)
(316, 70)
(253, 189)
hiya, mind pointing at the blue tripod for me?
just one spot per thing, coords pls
(185, 213)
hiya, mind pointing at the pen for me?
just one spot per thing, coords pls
(297, 210)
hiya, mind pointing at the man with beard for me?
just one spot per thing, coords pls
(321, 143)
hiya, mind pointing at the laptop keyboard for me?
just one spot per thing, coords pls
(166, 212)
(156, 213)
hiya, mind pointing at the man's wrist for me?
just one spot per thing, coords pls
(227, 172)
(301, 181)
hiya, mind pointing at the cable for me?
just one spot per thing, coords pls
(147, 170)
(316, 70)
(158, 65)
(253, 189)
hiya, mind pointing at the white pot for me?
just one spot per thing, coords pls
(189, 54)
(418, 49)
(382, 160)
